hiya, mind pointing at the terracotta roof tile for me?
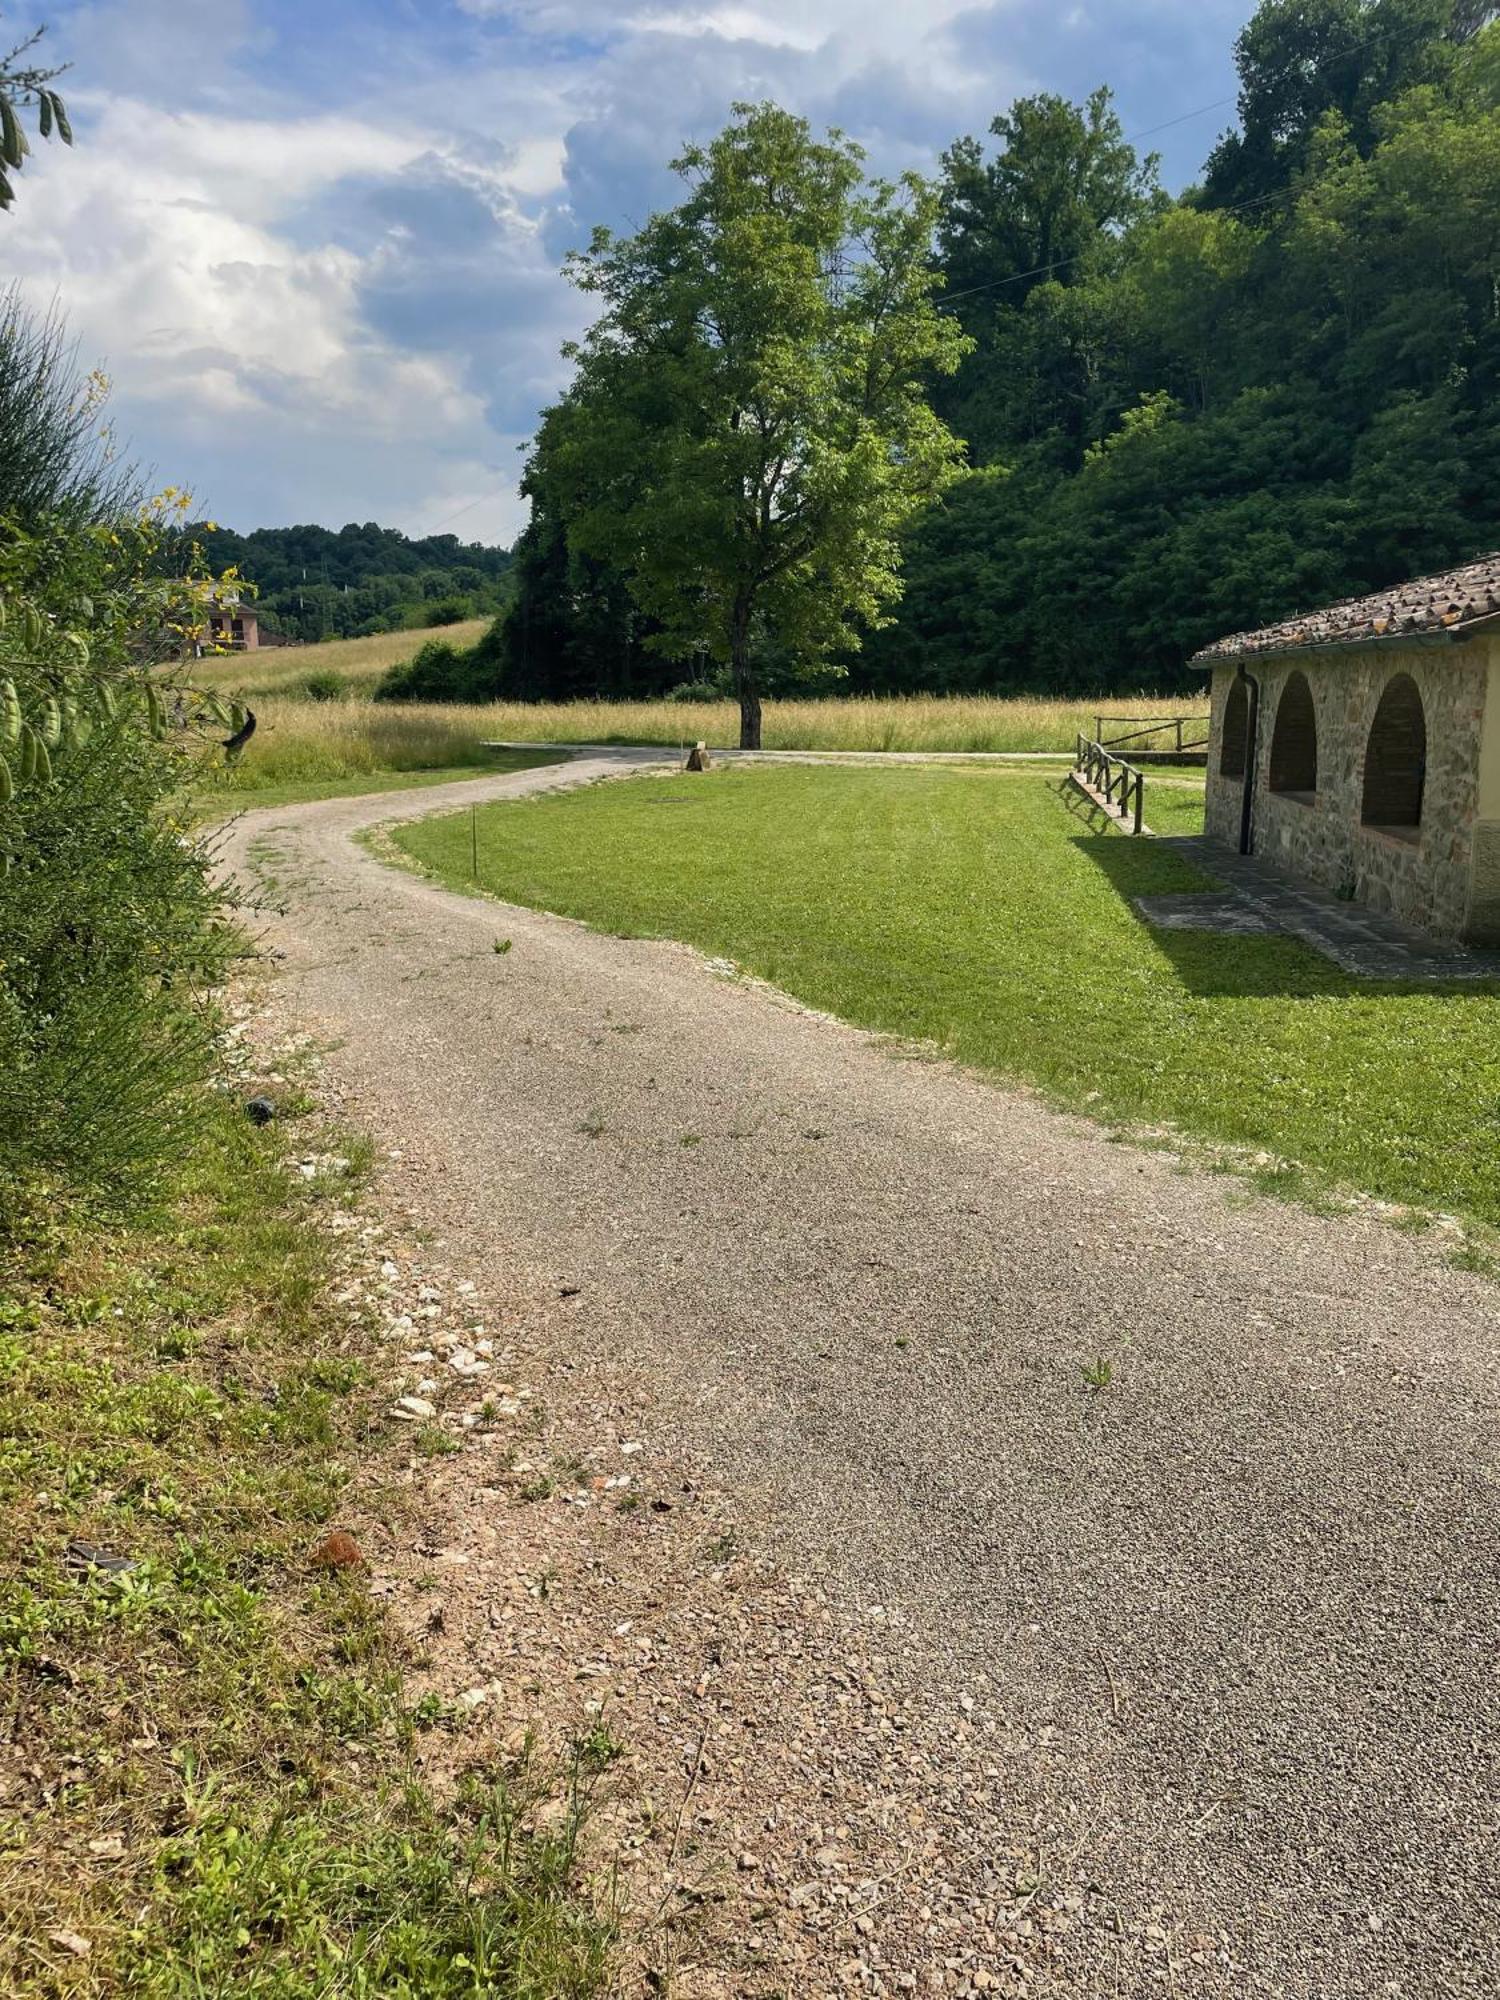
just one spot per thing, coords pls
(1450, 602)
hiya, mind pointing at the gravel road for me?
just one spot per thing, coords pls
(1233, 1621)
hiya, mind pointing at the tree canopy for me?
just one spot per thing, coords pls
(1182, 416)
(748, 430)
(319, 583)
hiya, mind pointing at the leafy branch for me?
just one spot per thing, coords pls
(24, 84)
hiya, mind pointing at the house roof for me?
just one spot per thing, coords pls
(1453, 602)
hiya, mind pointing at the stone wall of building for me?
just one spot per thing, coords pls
(1425, 879)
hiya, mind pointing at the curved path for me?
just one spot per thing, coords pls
(1238, 1614)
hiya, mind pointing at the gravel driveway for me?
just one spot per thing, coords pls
(1234, 1619)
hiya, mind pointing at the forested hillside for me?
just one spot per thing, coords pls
(1183, 415)
(318, 583)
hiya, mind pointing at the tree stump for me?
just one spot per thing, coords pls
(698, 758)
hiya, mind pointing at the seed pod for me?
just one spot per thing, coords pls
(155, 721)
(107, 701)
(51, 725)
(12, 139)
(26, 759)
(72, 733)
(32, 628)
(43, 764)
(2, 614)
(78, 646)
(10, 716)
(7, 784)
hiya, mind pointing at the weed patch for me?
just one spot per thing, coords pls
(206, 1782)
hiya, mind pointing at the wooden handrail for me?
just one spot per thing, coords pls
(1101, 771)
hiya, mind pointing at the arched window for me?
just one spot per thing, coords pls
(1235, 732)
(1294, 745)
(1396, 757)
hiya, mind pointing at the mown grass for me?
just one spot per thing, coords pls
(207, 1785)
(978, 910)
(359, 663)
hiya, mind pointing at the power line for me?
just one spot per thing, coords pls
(1234, 208)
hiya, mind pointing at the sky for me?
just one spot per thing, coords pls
(315, 244)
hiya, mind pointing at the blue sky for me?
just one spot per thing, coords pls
(315, 243)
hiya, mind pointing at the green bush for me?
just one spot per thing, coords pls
(110, 935)
(447, 611)
(109, 943)
(324, 685)
(440, 671)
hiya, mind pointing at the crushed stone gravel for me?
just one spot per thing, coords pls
(938, 1670)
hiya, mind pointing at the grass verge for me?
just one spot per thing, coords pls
(976, 909)
(231, 790)
(206, 1774)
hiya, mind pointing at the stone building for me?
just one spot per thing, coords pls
(1359, 747)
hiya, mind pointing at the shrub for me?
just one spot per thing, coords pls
(110, 938)
(443, 672)
(324, 685)
(111, 942)
(447, 611)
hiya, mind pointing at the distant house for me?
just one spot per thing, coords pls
(1359, 746)
(234, 626)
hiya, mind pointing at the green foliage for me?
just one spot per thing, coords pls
(319, 583)
(1208, 420)
(972, 909)
(439, 671)
(109, 940)
(747, 431)
(54, 454)
(26, 86)
(1182, 418)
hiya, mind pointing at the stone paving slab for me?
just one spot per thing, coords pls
(1362, 942)
(1203, 911)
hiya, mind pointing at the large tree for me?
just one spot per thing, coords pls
(747, 432)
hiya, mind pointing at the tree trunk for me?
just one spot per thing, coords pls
(745, 684)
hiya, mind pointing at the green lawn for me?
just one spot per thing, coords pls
(977, 909)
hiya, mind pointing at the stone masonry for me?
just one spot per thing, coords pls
(1442, 875)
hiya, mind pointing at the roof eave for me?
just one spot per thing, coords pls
(1366, 643)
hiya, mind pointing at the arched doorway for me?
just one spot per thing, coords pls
(1294, 742)
(1396, 760)
(1236, 731)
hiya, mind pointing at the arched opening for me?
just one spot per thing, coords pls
(1235, 731)
(1396, 759)
(1294, 744)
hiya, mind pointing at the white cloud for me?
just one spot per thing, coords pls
(331, 293)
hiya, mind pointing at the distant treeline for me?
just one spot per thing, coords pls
(1184, 416)
(320, 583)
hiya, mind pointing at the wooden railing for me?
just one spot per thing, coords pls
(1118, 786)
(1184, 748)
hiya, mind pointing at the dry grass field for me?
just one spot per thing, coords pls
(300, 742)
(358, 662)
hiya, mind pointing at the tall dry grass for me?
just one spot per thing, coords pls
(271, 670)
(298, 741)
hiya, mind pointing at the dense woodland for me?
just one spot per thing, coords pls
(1182, 415)
(320, 583)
